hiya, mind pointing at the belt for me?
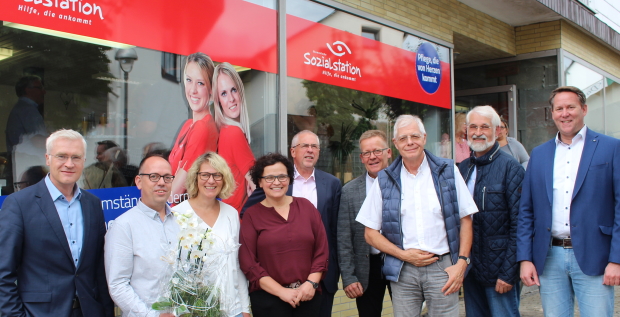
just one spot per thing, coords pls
(440, 257)
(76, 303)
(565, 243)
(293, 285)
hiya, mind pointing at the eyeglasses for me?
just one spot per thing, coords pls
(415, 137)
(483, 127)
(502, 127)
(76, 159)
(21, 185)
(270, 178)
(378, 152)
(154, 177)
(305, 146)
(206, 175)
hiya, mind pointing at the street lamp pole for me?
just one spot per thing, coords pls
(126, 58)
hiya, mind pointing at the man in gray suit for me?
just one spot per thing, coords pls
(360, 264)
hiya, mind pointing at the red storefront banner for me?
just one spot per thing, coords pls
(235, 31)
(244, 34)
(321, 53)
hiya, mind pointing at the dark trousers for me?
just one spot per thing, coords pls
(327, 301)
(370, 304)
(267, 305)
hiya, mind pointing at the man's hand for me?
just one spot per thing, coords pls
(306, 292)
(456, 274)
(418, 257)
(166, 315)
(612, 274)
(246, 315)
(289, 296)
(354, 290)
(529, 276)
(502, 287)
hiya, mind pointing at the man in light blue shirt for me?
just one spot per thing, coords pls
(52, 241)
(139, 239)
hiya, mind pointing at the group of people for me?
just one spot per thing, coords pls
(420, 226)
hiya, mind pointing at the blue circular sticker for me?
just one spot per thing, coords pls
(428, 68)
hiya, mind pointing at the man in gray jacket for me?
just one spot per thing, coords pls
(360, 264)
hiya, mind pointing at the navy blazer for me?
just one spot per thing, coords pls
(328, 190)
(595, 206)
(35, 252)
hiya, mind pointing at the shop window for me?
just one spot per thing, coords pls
(592, 84)
(170, 69)
(370, 33)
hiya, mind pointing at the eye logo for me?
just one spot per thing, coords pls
(339, 45)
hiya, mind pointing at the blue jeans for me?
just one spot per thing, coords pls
(562, 280)
(483, 301)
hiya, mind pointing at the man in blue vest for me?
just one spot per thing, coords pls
(418, 214)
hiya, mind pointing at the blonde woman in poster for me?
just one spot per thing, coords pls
(231, 117)
(199, 134)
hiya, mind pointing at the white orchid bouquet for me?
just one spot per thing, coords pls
(195, 287)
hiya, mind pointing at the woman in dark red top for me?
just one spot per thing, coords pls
(284, 250)
(199, 134)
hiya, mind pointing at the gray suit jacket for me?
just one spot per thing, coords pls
(353, 251)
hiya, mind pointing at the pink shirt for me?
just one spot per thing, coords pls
(305, 188)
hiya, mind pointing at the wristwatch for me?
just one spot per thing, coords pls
(464, 258)
(314, 285)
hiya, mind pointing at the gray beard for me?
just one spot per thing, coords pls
(477, 147)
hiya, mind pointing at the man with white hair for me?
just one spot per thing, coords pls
(494, 180)
(418, 214)
(52, 241)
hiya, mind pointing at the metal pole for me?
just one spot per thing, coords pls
(125, 119)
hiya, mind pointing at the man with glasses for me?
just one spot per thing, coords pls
(139, 238)
(323, 191)
(360, 264)
(418, 214)
(52, 241)
(494, 180)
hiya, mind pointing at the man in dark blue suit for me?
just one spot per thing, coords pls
(568, 235)
(323, 190)
(52, 241)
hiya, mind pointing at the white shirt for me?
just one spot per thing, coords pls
(565, 166)
(305, 188)
(471, 183)
(231, 278)
(134, 247)
(422, 221)
(369, 182)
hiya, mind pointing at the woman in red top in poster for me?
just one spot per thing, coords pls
(231, 117)
(199, 134)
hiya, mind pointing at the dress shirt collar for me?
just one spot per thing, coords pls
(56, 194)
(151, 213)
(581, 135)
(299, 176)
(423, 167)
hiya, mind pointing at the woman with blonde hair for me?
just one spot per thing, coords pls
(231, 117)
(208, 179)
(199, 134)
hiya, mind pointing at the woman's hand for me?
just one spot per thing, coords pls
(289, 295)
(306, 292)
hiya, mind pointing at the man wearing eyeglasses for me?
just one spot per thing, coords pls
(52, 241)
(139, 238)
(418, 214)
(323, 191)
(360, 264)
(494, 180)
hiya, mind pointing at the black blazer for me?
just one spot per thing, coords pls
(328, 190)
(35, 252)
